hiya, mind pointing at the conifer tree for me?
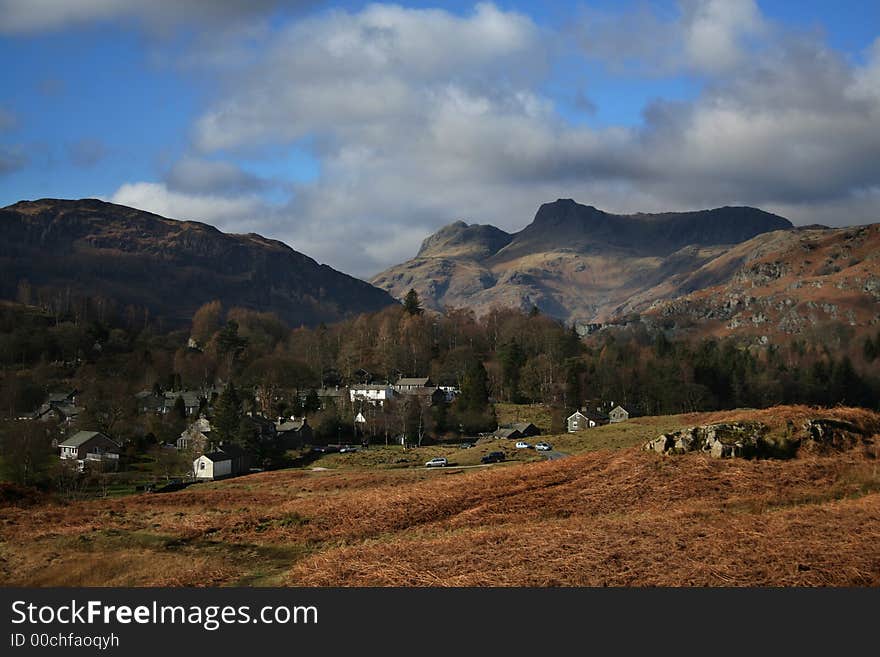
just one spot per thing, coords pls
(227, 414)
(412, 304)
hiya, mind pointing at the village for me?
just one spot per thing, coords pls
(386, 417)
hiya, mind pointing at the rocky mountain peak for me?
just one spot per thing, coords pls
(575, 262)
(460, 239)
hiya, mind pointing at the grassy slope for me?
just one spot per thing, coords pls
(606, 516)
(394, 456)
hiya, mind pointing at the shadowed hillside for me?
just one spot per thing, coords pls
(61, 251)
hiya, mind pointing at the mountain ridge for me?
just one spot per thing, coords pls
(91, 247)
(573, 261)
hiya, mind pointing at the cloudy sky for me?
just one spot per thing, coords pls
(352, 130)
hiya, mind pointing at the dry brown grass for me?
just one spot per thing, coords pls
(616, 517)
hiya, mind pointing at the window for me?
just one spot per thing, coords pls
(201, 465)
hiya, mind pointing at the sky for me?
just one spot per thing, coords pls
(353, 130)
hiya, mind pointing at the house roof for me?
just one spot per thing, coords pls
(506, 432)
(575, 414)
(80, 438)
(217, 456)
(69, 410)
(289, 425)
(523, 426)
(424, 391)
(619, 407)
(225, 453)
(63, 407)
(191, 398)
(417, 381)
(370, 386)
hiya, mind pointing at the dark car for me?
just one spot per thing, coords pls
(493, 457)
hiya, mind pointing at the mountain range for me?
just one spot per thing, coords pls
(730, 270)
(574, 262)
(89, 249)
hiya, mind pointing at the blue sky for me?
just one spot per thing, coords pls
(374, 124)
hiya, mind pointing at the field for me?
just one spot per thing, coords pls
(394, 456)
(611, 514)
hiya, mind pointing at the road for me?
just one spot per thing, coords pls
(553, 455)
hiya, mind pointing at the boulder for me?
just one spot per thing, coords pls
(658, 444)
(683, 442)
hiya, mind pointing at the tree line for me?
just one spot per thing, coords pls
(505, 356)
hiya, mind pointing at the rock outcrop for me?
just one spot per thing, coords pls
(742, 439)
(824, 435)
(755, 440)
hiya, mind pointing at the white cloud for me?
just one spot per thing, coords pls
(341, 72)
(707, 37)
(716, 32)
(421, 117)
(229, 214)
(866, 82)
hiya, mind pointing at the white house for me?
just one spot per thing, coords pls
(375, 394)
(618, 414)
(577, 421)
(213, 465)
(227, 461)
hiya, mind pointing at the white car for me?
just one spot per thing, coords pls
(438, 462)
(543, 447)
(523, 445)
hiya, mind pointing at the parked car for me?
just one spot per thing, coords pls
(523, 445)
(493, 457)
(437, 462)
(347, 448)
(465, 445)
(543, 447)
